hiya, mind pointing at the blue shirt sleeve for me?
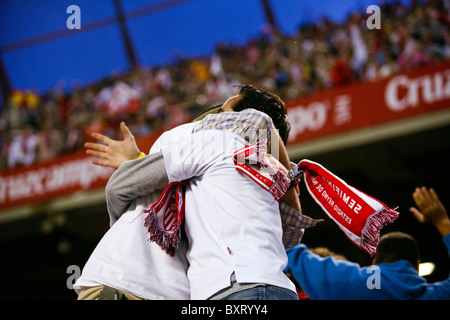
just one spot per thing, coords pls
(327, 278)
(446, 240)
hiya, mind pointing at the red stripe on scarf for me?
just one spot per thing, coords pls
(359, 215)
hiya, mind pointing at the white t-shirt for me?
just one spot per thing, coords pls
(232, 224)
(124, 259)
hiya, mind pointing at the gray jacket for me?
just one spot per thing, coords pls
(124, 186)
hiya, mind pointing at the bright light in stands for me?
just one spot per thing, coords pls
(426, 268)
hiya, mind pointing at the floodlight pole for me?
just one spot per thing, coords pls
(270, 16)
(121, 20)
(5, 85)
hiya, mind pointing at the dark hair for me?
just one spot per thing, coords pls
(266, 102)
(395, 246)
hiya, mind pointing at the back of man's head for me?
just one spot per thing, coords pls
(395, 246)
(266, 102)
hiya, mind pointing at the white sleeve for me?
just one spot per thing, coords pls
(196, 153)
(174, 135)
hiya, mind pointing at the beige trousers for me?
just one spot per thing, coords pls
(93, 293)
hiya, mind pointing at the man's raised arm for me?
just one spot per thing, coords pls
(135, 175)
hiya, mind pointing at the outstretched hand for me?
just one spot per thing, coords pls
(112, 153)
(430, 209)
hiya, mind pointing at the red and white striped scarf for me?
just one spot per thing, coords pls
(357, 214)
(165, 216)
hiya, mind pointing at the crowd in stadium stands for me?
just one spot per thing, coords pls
(320, 55)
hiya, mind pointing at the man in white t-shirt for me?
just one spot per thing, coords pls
(233, 226)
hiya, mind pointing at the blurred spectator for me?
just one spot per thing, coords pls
(139, 126)
(15, 149)
(23, 148)
(50, 140)
(341, 73)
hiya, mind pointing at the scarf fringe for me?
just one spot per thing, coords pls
(280, 186)
(370, 235)
(167, 241)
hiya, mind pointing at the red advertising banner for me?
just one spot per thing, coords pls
(65, 175)
(370, 103)
(62, 176)
(318, 115)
